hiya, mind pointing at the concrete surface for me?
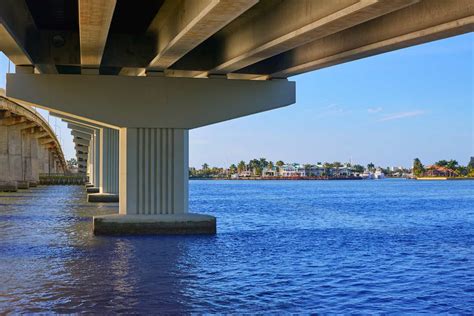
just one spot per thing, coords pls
(103, 197)
(188, 223)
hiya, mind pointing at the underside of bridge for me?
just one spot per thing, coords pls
(28, 147)
(155, 69)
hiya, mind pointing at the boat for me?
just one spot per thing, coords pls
(379, 174)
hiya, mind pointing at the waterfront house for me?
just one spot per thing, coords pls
(439, 171)
(245, 174)
(292, 170)
(270, 172)
(344, 171)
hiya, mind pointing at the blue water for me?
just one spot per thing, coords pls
(391, 246)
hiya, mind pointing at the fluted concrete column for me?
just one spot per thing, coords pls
(153, 185)
(96, 161)
(109, 167)
(153, 171)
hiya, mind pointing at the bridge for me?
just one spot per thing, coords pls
(28, 146)
(153, 70)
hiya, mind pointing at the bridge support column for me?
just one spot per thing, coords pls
(7, 183)
(34, 161)
(154, 186)
(94, 163)
(109, 167)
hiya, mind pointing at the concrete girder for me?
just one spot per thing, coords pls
(49, 145)
(13, 50)
(41, 134)
(163, 99)
(27, 125)
(82, 135)
(13, 120)
(420, 23)
(82, 149)
(80, 128)
(81, 141)
(45, 140)
(242, 44)
(20, 40)
(95, 17)
(81, 156)
(5, 114)
(180, 26)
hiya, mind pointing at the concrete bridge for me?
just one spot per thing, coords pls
(153, 70)
(28, 146)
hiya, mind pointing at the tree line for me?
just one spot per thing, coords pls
(465, 171)
(256, 167)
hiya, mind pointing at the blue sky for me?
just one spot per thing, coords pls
(386, 109)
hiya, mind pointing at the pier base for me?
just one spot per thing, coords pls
(8, 186)
(92, 190)
(103, 197)
(23, 185)
(175, 224)
(33, 184)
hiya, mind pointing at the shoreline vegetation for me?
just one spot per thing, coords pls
(261, 169)
(443, 170)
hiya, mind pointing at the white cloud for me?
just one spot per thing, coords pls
(397, 116)
(374, 110)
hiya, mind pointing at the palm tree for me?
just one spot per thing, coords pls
(307, 169)
(280, 163)
(241, 166)
(370, 167)
(418, 168)
(452, 164)
(327, 167)
(442, 163)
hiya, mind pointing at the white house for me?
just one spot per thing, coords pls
(292, 170)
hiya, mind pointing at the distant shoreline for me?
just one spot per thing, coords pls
(276, 178)
(443, 178)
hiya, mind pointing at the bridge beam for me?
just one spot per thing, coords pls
(81, 134)
(197, 21)
(419, 23)
(95, 17)
(245, 43)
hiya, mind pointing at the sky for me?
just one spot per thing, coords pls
(388, 109)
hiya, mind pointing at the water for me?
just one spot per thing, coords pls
(297, 246)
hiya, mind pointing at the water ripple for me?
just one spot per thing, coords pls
(301, 247)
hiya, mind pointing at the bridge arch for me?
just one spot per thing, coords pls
(28, 146)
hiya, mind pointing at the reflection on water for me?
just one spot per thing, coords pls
(341, 247)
